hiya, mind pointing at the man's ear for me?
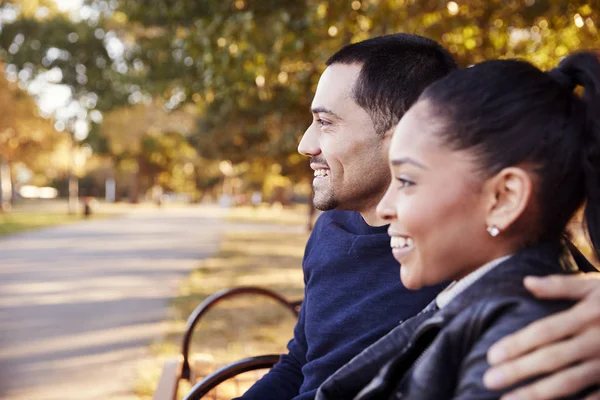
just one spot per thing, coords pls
(508, 193)
(390, 132)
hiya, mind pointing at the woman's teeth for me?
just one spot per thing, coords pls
(320, 173)
(400, 242)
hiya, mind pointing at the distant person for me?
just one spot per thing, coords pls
(256, 198)
(87, 206)
(157, 195)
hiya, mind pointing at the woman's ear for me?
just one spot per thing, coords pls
(509, 193)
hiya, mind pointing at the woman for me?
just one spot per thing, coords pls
(488, 167)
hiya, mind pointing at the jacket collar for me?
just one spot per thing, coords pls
(506, 279)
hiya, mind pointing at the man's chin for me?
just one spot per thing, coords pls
(321, 207)
(325, 204)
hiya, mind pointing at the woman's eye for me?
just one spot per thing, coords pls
(404, 183)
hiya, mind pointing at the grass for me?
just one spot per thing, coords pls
(15, 222)
(240, 327)
(34, 214)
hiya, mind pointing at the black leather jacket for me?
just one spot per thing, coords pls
(442, 354)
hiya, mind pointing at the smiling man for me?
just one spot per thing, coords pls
(353, 293)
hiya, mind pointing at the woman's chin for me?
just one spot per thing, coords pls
(397, 258)
(409, 280)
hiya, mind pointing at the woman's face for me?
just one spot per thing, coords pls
(434, 204)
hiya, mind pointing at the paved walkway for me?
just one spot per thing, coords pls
(80, 303)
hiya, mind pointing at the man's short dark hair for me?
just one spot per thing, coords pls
(395, 70)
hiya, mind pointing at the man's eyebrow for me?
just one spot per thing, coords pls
(324, 110)
(407, 160)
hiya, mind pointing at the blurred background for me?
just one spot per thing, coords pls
(158, 115)
(123, 99)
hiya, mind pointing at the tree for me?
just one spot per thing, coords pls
(41, 44)
(24, 136)
(251, 66)
(38, 42)
(190, 55)
(149, 143)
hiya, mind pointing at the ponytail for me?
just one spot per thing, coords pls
(583, 69)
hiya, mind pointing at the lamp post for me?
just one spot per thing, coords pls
(73, 185)
(226, 169)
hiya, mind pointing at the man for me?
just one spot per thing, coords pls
(353, 293)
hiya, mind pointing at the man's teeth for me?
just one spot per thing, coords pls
(320, 173)
(400, 242)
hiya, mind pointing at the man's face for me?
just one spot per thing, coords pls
(349, 158)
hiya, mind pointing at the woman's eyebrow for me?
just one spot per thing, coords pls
(407, 160)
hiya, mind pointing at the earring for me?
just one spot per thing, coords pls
(493, 230)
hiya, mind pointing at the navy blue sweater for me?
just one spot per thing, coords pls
(353, 296)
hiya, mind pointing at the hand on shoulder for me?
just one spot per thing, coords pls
(565, 345)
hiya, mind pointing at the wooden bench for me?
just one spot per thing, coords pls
(178, 369)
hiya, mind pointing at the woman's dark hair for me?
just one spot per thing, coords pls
(508, 112)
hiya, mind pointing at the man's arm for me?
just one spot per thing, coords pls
(283, 381)
(566, 345)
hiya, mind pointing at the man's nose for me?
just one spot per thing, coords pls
(309, 144)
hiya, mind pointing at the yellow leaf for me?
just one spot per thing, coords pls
(561, 50)
(322, 10)
(120, 17)
(585, 9)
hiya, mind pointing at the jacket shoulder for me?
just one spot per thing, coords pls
(488, 323)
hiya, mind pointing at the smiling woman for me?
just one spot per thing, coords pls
(434, 198)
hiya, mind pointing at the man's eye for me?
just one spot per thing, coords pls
(323, 122)
(404, 183)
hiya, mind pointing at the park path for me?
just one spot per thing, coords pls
(80, 303)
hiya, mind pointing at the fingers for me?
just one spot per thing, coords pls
(567, 382)
(593, 396)
(566, 345)
(544, 360)
(563, 286)
(541, 333)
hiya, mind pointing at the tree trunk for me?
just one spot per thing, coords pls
(73, 193)
(73, 182)
(6, 187)
(134, 188)
(136, 180)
